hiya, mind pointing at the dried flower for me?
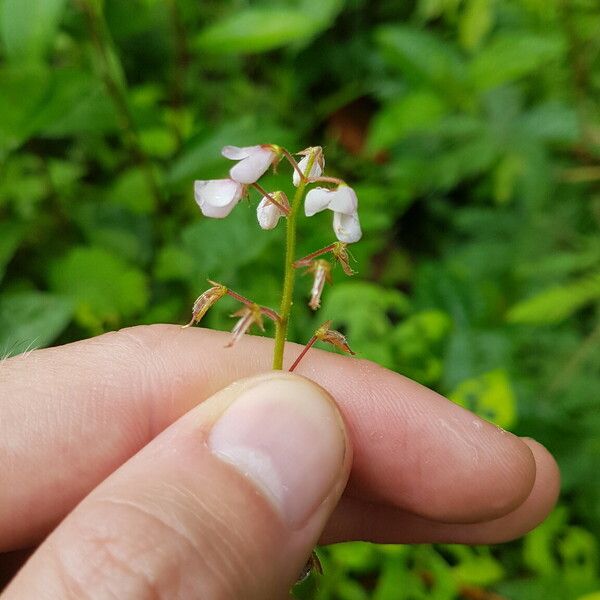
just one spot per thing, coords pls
(268, 214)
(344, 204)
(333, 337)
(253, 161)
(248, 316)
(217, 197)
(205, 301)
(317, 167)
(321, 270)
(342, 256)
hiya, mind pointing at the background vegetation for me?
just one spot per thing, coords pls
(471, 130)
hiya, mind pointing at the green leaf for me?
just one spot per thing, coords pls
(105, 289)
(258, 30)
(364, 311)
(421, 55)
(417, 111)
(510, 56)
(556, 303)
(28, 27)
(31, 320)
(490, 396)
(218, 248)
(475, 22)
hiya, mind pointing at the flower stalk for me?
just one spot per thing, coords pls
(289, 275)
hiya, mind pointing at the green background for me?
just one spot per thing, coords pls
(470, 130)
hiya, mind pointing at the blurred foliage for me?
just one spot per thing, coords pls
(471, 131)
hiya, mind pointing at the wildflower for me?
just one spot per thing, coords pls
(253, 161)
(347, 227)
(268, 214)
(217, 197)
(321, 269)
(333, 337)
(317, 167)
(248, 316)
(205, 301)
(344, 204)
(342, 256)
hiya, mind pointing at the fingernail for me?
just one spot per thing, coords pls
(285, 436)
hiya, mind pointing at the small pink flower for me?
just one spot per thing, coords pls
(217, 197)
(253, 161)
(268, 214)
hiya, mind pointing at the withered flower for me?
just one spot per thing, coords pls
(342, 256)
(317, 167)
(333, 337)
(210, 297)
(321, 270)
(248, 316)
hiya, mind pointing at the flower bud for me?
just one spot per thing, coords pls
(268, 214)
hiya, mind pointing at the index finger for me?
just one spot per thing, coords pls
(69, 416)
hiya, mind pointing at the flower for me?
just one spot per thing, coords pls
(268, 214)
(317, 167)
(321, 269)
(347, 227)
(253, 161)
(344, 204)
(217, 197)
(333, 337)
(210, 297)
(248, 316)
(342, 256)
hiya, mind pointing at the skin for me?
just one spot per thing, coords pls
(423, 469)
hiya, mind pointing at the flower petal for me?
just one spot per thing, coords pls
(251, 168)
(317, 199)
(217, 197)
(237, 152)
(268, 214)
(344, 200)
(347, 227)
(316, 170)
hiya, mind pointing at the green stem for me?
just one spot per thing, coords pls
(289, 276)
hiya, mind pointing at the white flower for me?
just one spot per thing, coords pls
(267, 213)
(347, 227)
(217, 197)
(344, 204)
(318, 164)
(254, 161)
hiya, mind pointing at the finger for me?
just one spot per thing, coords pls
(356, 519)
(71, 415)
(226, 503)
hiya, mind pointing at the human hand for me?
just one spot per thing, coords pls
(154, 481)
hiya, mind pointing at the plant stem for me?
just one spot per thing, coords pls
(287, 292)
(306, 348)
